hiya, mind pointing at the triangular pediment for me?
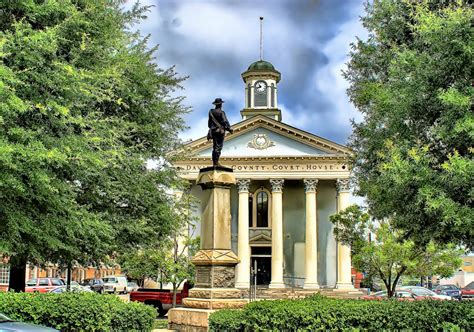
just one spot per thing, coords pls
(261, 238)
(261, 136)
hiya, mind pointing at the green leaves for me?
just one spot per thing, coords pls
(412, 80)
(380, 249)
(78, 311)
(83, 105)
(318, 313)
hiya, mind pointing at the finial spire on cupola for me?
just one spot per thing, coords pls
(261, 38)
(261, 79)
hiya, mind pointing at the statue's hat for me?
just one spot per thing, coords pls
(218, 101)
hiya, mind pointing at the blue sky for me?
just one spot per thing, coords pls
(214, 41)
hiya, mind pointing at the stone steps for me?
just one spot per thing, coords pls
(299, 293)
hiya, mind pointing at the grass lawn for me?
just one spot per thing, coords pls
(161, 323)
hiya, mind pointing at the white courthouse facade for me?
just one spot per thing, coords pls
(288, 184)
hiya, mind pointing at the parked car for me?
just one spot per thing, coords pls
(467, 292)
(42, 285)
(422, 291)
(96, 285)
(450, 290)
(401, 295)
(115, 284)
(7, 325)
(132, 286)
(73, 282)
(74, 289)
(161, 299)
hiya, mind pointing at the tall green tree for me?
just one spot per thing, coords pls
(379, 249)
(181, 245)
(142, 263)
(83, 105)
(413, 151)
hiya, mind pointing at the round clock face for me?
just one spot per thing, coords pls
(260, 86)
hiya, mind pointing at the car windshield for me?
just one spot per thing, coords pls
(59, 290)
(110, 280)
(31, 282)
(470, 285)
(4, 318)
(422, 292)
(382, 293)
(447, 287)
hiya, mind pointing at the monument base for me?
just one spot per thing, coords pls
(214, 304)
(215, 261)
(188, 319)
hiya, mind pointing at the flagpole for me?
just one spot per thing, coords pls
(261, 38)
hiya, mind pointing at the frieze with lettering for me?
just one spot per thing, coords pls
(274, 167)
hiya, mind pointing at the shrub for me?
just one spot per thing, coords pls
(78, 311)
(320, 313)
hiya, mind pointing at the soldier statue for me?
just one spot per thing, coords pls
(218, 125)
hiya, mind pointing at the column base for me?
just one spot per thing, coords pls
(342, 285)
(244, 285)
(311, 285)
(275, 284)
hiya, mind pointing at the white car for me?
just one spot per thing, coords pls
(115, 284)
(132, 286)
(422, 291)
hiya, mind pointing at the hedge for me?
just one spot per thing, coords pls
(320, 313)
(78, 311)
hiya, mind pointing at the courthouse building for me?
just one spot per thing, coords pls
(289, 182)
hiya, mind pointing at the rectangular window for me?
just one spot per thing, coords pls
(4, 274)
(262, 251)
(261, 99)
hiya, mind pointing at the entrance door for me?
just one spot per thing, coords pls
(264, 269)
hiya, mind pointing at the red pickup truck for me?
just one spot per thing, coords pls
(161, 299)
(468, 291)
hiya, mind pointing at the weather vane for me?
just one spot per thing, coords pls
(261, 38)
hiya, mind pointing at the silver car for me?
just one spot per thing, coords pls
(7, 324)
(422, 291)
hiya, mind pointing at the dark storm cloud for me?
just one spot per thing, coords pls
(213, 42)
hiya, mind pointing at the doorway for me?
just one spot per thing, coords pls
(261, 261)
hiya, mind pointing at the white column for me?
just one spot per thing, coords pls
(277, 234)
(243, 268)
(311, 242)
(343, 252)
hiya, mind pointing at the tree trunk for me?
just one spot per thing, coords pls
(175, 290)
(68, 278)
(17, 273)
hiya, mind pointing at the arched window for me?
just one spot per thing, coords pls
(261, 201)
(262, 209)
(249, 96)
(261, 92)
(273, 95)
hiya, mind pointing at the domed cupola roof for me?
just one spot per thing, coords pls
(262, 67)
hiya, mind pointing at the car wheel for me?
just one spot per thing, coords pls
(101, 290)
(115, 290)
(125, 290)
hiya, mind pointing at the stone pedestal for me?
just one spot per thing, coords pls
(215, 262)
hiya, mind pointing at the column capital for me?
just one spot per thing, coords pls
(243, 185)
(310, 185)
(277, 185)
(342, 185)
